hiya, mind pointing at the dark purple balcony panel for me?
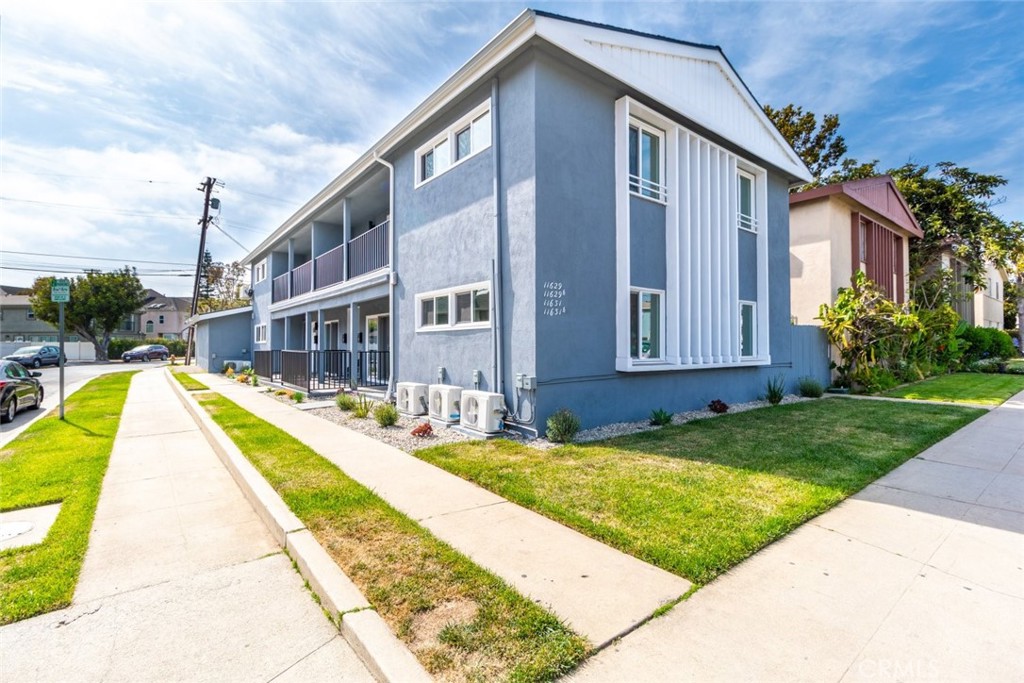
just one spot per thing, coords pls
(369, 251)
(281, 291)
(330, 267)
(302, 279)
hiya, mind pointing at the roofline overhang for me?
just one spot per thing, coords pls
(844, 189)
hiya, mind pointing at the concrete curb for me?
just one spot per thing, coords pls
(386, 657)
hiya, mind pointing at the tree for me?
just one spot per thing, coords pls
(99, 303)
(954, 209)
(205, 283)
(819, 145)
(227, 286)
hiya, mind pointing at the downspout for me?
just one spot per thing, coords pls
(498, 380)
(392, 276)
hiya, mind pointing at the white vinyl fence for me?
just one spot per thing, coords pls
(72, 350)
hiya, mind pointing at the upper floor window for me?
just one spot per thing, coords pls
(259, 271)
(160, 320)
(30, 314)
(470, 135)
(746, 201)
(646, 160)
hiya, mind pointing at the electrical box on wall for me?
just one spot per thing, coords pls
(526, 382)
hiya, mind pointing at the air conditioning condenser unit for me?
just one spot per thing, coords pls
(445, 403)
(482, 411)
(411, 398)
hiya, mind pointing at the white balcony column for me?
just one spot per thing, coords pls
(346, 226)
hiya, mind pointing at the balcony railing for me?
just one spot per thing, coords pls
(369, 251)
(281, 287)
(318, 370)
(302, 279)
(330, 267)
(366, 253)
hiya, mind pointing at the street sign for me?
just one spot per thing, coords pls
(60, 291)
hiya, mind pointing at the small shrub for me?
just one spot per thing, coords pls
(281, 392)
(718, 406)
(563, 426)
(775, 390)
(423, 430)
(386, 414)
(255, 379)
(660, 417)
(810, 387)
(345, 402)
(174, 360)
(298, 397)
(362, 407)
(874, 379)
(242, 378)
(229, 371)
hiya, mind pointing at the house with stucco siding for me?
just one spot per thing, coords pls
(581, 216)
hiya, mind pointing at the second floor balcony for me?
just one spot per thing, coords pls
(362, 254)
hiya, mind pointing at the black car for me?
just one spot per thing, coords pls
(19, 389)
(36, 356)
(146, 352)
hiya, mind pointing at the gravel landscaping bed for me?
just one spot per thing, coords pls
(399, 436)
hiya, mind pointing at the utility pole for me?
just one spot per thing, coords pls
(206, 187)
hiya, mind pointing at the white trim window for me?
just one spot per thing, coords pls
(748, 329)
(469, 136)
(646, 324)
(464, 307)
(259, 271)
(646, 161)
(261, 333)
(746, 201)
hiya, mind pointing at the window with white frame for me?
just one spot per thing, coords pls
(467, 306)
(469, 136)
(261, 333)
(645, 324)
(646, 160)
(259, 271)
(746, 201)
(748, 329)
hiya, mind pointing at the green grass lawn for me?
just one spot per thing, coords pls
(963, 387)
(50, 462)
(188, 381)
(696, 499)
(462, 622)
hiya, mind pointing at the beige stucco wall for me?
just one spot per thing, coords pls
(988, 302)
(810, 259)
(821, 253)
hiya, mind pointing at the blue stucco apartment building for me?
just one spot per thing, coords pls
(598, 214)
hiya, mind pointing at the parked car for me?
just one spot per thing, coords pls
(19, 389)
(146, 352)
(37, 356)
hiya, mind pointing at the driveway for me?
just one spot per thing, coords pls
(920, 576)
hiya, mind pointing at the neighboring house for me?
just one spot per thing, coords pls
(160, 317)
(981, 307)
(838, 229)
(17, 321)
(581, 216)
(223, 336)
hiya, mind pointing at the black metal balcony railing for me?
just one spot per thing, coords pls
(373, 368)
(302, 279)
(369, 251)
(281, 287)
(311, 370)
(330, 267)
(267, 364)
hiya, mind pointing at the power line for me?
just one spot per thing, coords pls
(93, 258)
(84, 270)
(214, 223)
(90, 177)
(98, 209)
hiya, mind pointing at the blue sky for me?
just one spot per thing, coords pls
(113, 112)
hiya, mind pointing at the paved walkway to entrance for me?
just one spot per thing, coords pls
(920, 576)
(181, 581)
(600, 592)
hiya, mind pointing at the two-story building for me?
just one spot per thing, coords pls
(581, 216)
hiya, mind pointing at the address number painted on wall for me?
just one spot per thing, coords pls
(554, 299)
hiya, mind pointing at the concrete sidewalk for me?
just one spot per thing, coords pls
(920, 576)
(600, 592)
(181, 581)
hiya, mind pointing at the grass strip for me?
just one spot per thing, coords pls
(188, 381)
(697, 499)
(50, 462)
(987, 389)
(462, 622)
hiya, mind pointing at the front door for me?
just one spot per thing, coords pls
(331, 338)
